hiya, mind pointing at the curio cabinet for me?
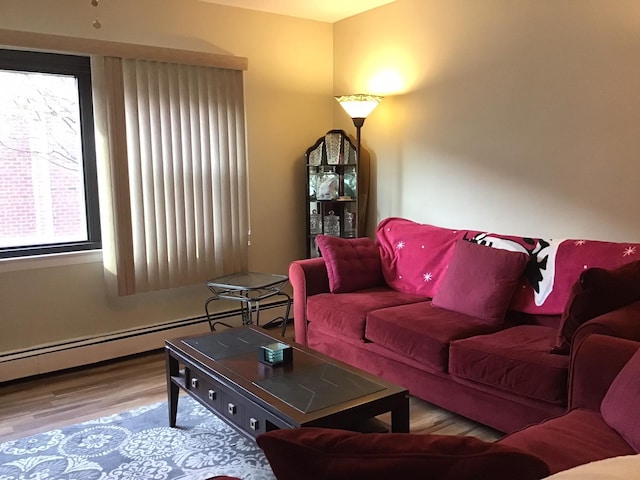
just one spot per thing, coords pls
(333, 190)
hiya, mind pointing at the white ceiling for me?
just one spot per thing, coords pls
(321, 10)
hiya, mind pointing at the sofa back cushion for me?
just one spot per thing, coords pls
(480, 281)
(621, 401)
(414, 256)
(318, 454)
(596, 292)
(352, 263)
(414, 259)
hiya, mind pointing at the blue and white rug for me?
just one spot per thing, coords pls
(137, 445)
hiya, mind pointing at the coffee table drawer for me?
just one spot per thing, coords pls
(204, 387)
(240, 411)
(248, 416)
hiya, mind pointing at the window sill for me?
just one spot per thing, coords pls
(48, 261)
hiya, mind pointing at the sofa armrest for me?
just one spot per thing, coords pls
(307, 277)
(595, 361)
(623, 322)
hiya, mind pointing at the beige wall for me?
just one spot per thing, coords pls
(517, 116)
(288, 90)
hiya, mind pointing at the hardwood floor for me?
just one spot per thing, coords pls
(54, 400)
(51, 401)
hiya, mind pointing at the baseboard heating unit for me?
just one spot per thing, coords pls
(85, 351)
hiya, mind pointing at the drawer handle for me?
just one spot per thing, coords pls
(253, 423)
(212, 394)
(231, 408)
(194, 383)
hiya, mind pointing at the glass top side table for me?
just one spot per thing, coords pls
(248, 288)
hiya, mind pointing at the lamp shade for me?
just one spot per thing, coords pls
(359, 105)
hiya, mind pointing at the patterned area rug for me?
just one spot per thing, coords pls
(137, 444)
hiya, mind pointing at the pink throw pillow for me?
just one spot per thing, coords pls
(619, 404)
(322, 453)
(352, 263)
(596, 292)
(480, 281)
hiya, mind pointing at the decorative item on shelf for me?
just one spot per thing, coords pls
(350, 182)
(313, 185)
(315, 157)
(275, 354)
(333, 145)
(349, 224)
(350, 156)
(327, 186)
(315, 223)
(332, 224)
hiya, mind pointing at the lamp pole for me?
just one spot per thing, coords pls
(358, 122)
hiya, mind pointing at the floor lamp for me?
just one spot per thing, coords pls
(359, 106)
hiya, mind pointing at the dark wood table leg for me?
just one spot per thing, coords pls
(173, 370)
(400, 416)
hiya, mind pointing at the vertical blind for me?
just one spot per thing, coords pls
(173, 144)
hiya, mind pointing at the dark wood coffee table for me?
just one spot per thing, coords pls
(222, 371)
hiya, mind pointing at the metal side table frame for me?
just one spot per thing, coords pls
(248, 288)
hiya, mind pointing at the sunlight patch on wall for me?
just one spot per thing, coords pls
(387, 82)
(390, 70)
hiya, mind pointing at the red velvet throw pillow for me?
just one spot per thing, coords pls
(320, 454)
(596, 292)
(619, 405)
(352, 263)
(480, 281)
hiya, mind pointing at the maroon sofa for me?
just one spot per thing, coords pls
(483, 332)
(601, 423)
(602, 420)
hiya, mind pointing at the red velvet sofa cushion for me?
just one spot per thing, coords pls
(480, 281)
(596, 292)
(321, 454)
(344, 314)
(352, 263)
(623, 398)
(516, 360)
(577, 437)
(422, 332)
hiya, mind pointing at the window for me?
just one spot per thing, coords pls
(48, 185)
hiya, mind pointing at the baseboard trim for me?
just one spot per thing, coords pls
(85, 351)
